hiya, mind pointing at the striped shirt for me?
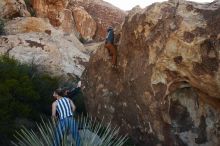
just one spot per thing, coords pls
(64, 108)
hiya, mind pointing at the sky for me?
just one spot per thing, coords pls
(129, 4)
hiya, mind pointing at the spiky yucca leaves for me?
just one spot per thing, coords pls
(92, 133)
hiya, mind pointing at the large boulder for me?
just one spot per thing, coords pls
(68, 25)
(28, 24)
(166, 89)
(13, 8)
(85, 24)
(35, 40)
(80, 16)
(55, 55)
(103, 13)
(42, 25)
(51, 9)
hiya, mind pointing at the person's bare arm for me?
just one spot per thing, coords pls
(72, 105)
(79, 84)
(54, 108)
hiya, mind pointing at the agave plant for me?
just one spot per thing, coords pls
(92, 133)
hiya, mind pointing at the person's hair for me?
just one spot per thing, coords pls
(59, 92)
(109, 28)
(65, 88)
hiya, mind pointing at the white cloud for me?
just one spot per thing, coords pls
(129, 4)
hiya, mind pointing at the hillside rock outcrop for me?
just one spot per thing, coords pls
(28, 24)
(55, 55)
(80, 16)
(166, 89)
(42, 25)
(102, 12)
(35, 40)
(85, 24)
(51, 9)
(13, 8)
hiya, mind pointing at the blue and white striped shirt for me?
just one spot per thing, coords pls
(64, 108)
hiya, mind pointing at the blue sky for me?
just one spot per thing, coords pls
(129, 4)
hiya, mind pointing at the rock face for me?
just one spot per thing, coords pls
(13, 8)
(55, 55)
(50, 38)
(68, 25)
(27, 24)
(103, 13)
(85, 24)
(52, 9)
(80, 15)
(34, 40)
(166, 89)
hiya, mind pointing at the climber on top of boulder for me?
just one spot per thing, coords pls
(109, 44)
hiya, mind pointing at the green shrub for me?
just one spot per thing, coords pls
(27, 2)
(32, 12)
(30, 7)
(129, 142)
(24, 94)
(82, 40)
(80, 104)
